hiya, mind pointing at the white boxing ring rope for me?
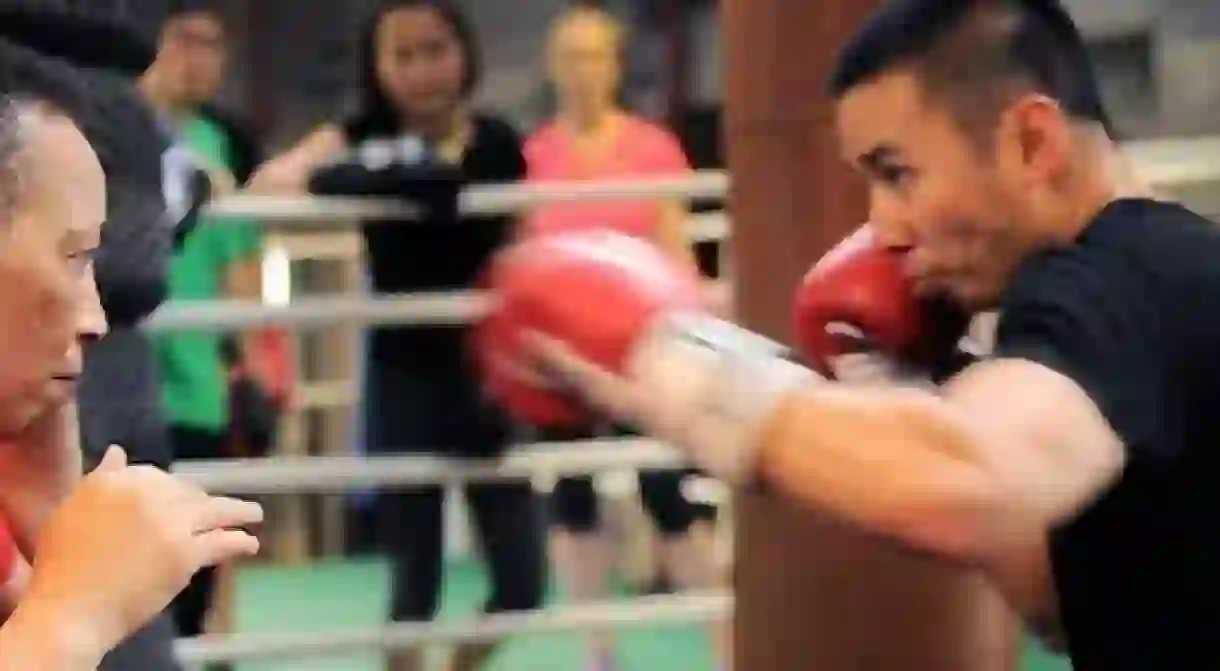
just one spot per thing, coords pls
(337, 474)
(709, 606)
(424, 308)
(476, 199)
(1163, 164)
(434, 308)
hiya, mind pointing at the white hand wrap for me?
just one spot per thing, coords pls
(709, 388)
(872, 369)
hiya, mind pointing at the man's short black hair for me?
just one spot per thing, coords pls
(978, 54)
(179, 8)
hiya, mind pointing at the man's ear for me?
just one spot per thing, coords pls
(1038, 133)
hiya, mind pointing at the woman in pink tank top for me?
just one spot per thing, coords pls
(592, 138)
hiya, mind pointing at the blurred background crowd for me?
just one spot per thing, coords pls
(284, 97)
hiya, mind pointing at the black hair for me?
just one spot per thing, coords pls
(28, 82)
(977, 54)
(178, 8)
(376, 114)
(85, 39)
(85, 83)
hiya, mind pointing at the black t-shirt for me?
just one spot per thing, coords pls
(441, 255)
(1131, 312)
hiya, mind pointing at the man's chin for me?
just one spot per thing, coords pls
(12, 424)
(18, 417)
(968, 297)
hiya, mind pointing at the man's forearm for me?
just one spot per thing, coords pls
(888, 462)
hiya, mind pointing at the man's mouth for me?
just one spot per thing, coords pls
(928, 286)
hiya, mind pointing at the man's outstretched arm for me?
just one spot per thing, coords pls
(995, 457)
(989, 462)
(1008, 448)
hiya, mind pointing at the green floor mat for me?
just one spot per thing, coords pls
(345, 595)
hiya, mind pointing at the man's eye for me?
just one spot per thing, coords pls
(79, 263)
(893, 175)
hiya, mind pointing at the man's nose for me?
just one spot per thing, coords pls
(91, 318)
(888, 222)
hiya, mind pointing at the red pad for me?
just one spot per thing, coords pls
(596, 290)
(858, 295)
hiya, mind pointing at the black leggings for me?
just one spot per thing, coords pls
(432, 412)
(506, 518)
(190, 608)
(574, 502)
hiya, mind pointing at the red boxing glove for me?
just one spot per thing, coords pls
(858, 297)
(597, 291)
(636, 338)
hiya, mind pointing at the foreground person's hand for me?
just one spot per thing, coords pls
(114, 555)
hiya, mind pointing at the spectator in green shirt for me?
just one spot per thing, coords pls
(219, 259)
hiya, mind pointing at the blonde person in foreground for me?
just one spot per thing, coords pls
(593, 137)
(111, 549)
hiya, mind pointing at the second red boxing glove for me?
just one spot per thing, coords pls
(858, 297)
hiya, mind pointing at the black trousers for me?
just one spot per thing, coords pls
(439, 410)
(190, 608)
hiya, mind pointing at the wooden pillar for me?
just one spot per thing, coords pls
(812, 595)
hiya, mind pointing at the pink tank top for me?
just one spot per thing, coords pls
(640, 149)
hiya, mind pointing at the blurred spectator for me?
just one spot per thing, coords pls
(220, 259)
(46, 49)
(419, 67)
(592, 137)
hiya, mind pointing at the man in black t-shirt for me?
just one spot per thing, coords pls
(1077, 465)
